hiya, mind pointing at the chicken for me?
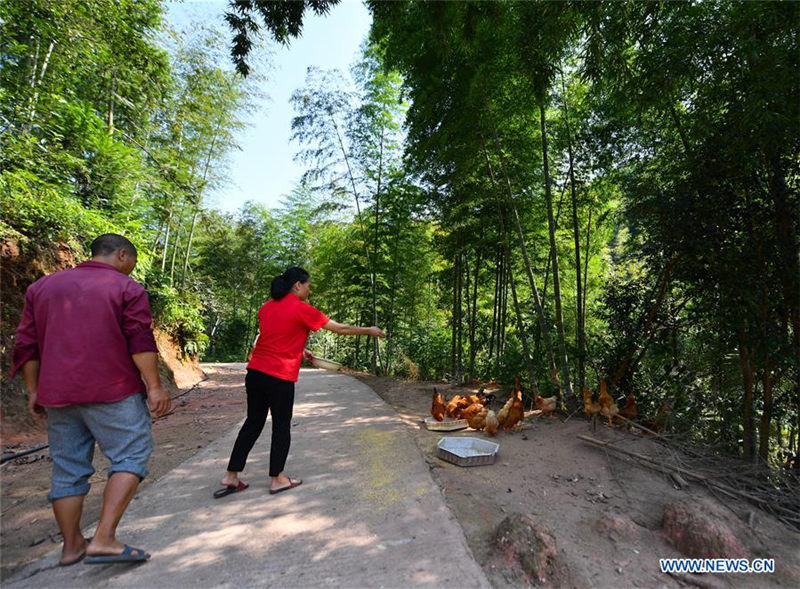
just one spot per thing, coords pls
(471, 411)
(592, 408)
(513, 411)
(477, 420)
(491, 423)
(502, 415)
(486, 398)
(546, 406)
(454, 406)
(629, 410)
(608, 408)
(438, 406)
(516, 412)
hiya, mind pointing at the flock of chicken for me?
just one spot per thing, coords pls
(606, 407)
(475, 409)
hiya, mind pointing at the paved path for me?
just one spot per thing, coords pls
(367, 515)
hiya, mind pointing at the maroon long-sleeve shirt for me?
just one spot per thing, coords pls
(83, 324)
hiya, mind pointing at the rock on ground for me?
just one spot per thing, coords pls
(695, 531)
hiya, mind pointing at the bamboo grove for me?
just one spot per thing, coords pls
(561, 191)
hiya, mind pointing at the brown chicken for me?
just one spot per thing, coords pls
(608, 408)
(629, 410)
(455, 405)
(516, 410)
(546, 406)
(592, 408)
(477, 420)
(492, 424)
(438, 406)
(502, 415)
(470, 411)
(516, 413)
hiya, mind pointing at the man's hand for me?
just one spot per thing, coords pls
(30, 373)
(375, 332)
(307, 355)
(36, 410)
(158, 400)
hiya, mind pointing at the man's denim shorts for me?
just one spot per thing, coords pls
(121, 429)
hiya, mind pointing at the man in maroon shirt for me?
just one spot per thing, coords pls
(85, 345)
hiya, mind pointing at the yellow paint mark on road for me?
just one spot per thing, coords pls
(377, 451)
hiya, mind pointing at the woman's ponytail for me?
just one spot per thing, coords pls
(282, 284)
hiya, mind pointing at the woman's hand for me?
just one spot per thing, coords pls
(375, 332)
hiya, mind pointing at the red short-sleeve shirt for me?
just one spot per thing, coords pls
(283, 331)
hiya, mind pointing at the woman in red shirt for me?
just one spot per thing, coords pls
(284, 323)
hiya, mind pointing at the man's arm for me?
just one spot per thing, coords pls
(157, 396)
(30, 374)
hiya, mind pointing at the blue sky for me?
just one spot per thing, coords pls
(264, 170)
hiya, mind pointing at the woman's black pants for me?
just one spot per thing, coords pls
(265, 393)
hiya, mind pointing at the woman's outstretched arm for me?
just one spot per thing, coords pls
(344, 329)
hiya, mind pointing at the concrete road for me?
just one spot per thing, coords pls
(367, 515)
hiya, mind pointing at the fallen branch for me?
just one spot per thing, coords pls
(787, 516)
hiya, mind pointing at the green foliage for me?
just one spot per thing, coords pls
(39, 212)
(284, 20)
(180, 314)
(670, 136)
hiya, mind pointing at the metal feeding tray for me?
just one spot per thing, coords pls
(467, 451)
(446, 425)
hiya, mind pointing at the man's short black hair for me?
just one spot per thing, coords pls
(108, 243)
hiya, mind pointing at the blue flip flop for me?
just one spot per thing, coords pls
(129, 554)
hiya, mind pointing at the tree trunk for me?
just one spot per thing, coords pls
(543, 323)
(501, 344)
(460, 346)
(36, 81)
(375, 254)
(474, 315)
(189, 247)
(586, 266)
(454, 321)
(497, 271)
(562, 346)
(370, 262)
(390, 335)
(112, 87)
(766, 414)
(166, 240)
(172, 261)
(747, 377)
(786, 228)
(649, 323)
(580, 318)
